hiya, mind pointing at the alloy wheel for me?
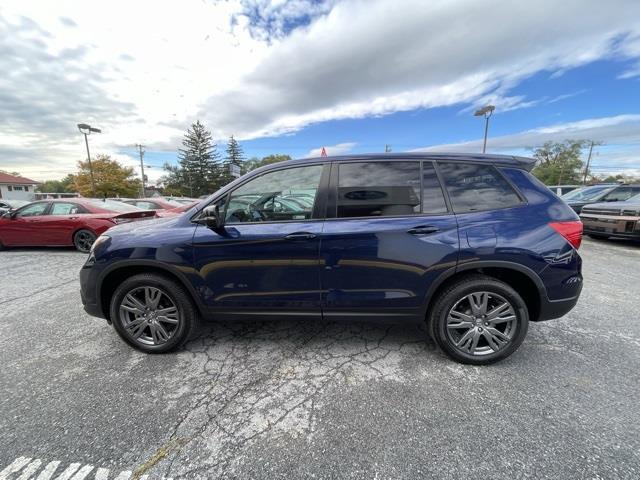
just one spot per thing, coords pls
(481, 323)
(84, 241)
(149, 316)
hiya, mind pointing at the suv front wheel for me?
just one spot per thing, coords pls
(479, 320)
(153, 313)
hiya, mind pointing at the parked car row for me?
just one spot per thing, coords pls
(608, 210)
(75, 221)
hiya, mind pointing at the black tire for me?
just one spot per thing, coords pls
(83, 239)
(455, 295)
(596, 236)
(187, 315)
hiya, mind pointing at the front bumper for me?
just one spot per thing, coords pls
(88, 292)
(612, 225)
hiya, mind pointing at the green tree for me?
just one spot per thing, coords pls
(234, 157)
(559, 162)
(111, 178)
(66, 185)
(198, 171)
(254, 163)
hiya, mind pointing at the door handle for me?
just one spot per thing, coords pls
(300, 236)
(73, 218)
(423, 230)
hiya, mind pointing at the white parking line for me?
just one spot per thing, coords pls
(25, 468)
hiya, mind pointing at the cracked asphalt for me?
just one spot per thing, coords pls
(320, 399)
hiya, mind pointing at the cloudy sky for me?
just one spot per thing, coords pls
(291, 76)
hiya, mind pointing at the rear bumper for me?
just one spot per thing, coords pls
(550, 309)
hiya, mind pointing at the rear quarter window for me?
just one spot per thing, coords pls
(475, 187)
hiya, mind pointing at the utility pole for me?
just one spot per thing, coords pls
(586, 170)
(141, 150)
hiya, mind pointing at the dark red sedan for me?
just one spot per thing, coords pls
(65, 222)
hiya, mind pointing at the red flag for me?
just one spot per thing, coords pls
(323, 153)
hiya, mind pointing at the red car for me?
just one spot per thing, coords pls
(176, 211)
(154, 203)
(65, 222)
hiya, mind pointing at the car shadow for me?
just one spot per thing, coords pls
(324, 337)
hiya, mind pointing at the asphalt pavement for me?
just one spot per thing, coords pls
(316, 399)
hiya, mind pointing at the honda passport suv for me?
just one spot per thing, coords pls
(472, 244)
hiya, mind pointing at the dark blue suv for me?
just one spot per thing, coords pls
(472, 244)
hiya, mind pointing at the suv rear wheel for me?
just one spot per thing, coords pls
(479, 320)
(153, 313)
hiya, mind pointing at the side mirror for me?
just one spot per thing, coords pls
(8, 215)
(211, 217)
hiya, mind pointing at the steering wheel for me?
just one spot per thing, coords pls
(255, 213)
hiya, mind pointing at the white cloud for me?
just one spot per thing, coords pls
(338, 149)
(619, 130)
(375, 57)
(619, 136)
(144, 70)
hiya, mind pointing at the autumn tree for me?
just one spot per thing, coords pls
(111, 178)
(559, 162)
(66, 185)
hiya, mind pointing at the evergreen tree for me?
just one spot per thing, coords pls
(235, 156)
(199, 172)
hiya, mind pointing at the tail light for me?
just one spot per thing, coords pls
(571, 231)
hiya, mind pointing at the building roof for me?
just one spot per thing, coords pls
(6, 178)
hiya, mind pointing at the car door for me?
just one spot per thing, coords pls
(63, 219)
(265, 258)
(24, 227)
(391, 235)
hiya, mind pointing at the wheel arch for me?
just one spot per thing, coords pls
(112, 277)
(521, 278)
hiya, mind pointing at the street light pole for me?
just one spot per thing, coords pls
(87, 130)
(485, 112)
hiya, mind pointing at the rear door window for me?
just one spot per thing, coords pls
(378, 189)
(475, 187)
(63, 208)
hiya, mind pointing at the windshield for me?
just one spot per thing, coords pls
(17, 203)
(588, 193)
(112, 205)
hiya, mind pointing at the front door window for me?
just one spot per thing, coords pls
(32, 210)
(283, 195)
